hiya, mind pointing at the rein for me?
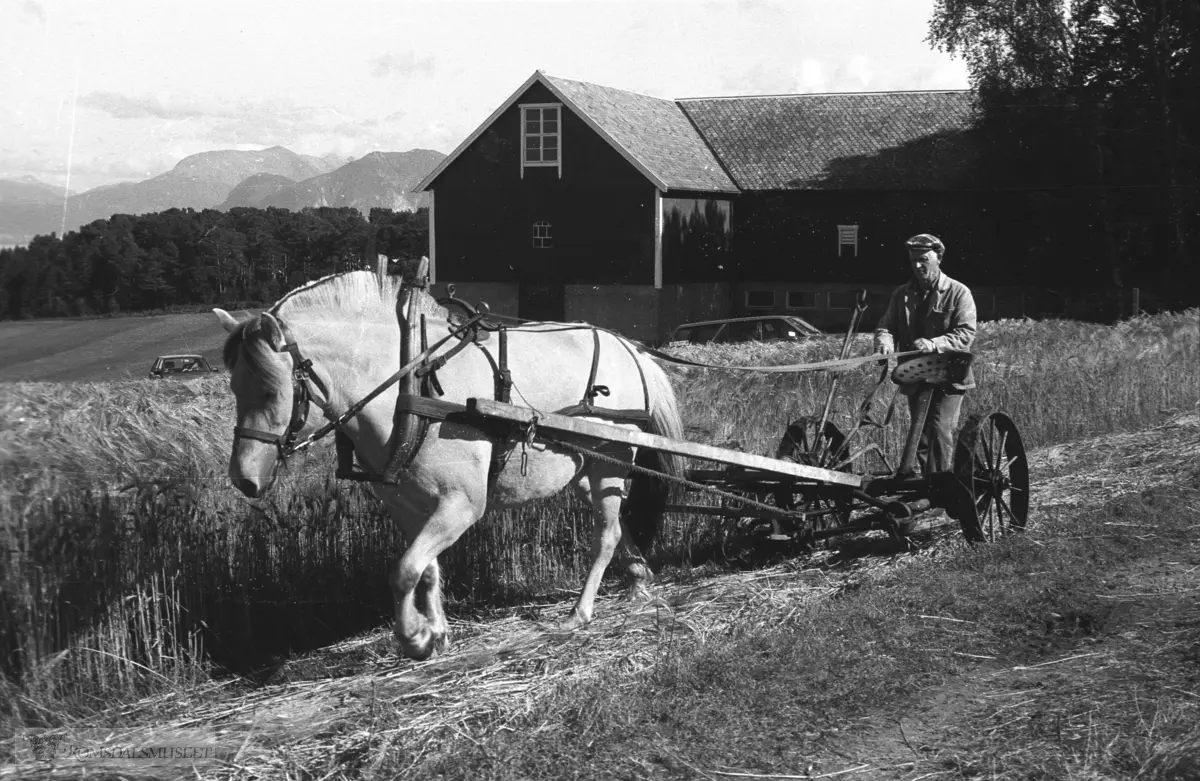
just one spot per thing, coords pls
(302, 378)
(835, 365)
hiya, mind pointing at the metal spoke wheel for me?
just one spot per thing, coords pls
(803, 444)
(992, 473)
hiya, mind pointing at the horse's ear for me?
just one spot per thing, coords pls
(227, 321)
(272, 332)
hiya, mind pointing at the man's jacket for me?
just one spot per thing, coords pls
(946, 318)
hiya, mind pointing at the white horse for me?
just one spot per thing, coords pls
(349, 327)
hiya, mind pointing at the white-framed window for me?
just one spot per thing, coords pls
(847, 236)
(541, 235)
(760, 299)
(801, 299)
(541, 136)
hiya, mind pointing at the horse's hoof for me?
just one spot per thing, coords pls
(418, 648)
(637, 594)
(571, 623)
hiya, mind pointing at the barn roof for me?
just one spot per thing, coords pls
(877, 140)
(837, 141)
(655, 131)
(653, 134)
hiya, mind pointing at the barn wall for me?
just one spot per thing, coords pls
(829, 306)
(698, 240)
(501, 297)
(688, 303)
(601, 210)
(792, 237)
(630, 310)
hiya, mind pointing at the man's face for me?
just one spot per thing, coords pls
(924, 264)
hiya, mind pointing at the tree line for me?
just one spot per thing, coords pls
(183, 258)
(1095, 104)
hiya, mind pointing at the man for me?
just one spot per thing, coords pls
(931, 313)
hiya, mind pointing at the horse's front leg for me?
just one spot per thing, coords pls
(420, 629)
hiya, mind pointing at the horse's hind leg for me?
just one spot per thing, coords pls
(421, 629)
(638, 576)
(607, 483)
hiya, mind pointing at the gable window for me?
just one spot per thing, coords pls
(541, 235)
(848, 239)
(760, 299)
(541, 136)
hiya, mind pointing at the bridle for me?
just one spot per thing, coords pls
(303, 381)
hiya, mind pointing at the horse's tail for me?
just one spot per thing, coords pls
(648, 496)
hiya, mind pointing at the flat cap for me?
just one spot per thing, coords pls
(926, 241)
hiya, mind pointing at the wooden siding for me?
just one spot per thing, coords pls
(698, 239)
(793, 237)
(601, 211)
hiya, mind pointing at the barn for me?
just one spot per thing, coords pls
(576, 201)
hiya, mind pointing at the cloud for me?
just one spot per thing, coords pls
(401, 63)
(760, 80)
(859, 68)
(812, 76)
(33, 9)
(126, 107)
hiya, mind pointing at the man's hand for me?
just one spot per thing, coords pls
(925, 346)
(884, 346)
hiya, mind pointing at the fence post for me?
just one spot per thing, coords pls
(381, 268)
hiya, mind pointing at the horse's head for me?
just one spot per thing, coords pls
(268, 417)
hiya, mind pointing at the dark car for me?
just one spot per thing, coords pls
(183, 366)
(764, 328)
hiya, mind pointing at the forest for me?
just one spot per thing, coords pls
(181, 259)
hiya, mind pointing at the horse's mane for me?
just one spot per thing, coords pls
(350, 289)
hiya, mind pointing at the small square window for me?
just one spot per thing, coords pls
(541, 235)
(801, 299)
(760, 299)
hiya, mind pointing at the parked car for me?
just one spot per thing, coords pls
(184, 365)
(764, 328)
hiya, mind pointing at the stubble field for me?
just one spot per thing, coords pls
(141, 594)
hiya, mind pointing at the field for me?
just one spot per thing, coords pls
(103, 348)
(141, 595)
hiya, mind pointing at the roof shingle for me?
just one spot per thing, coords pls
(882, 140)
(654, 131)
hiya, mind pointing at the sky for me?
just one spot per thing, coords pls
(96, 92)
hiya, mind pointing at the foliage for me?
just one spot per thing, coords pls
(1097, 102)
(181, 257)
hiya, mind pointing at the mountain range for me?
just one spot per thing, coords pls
(222, 180)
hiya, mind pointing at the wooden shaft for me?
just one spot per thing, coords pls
(563, 424)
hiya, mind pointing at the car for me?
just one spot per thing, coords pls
(764, 328)
(184, 366)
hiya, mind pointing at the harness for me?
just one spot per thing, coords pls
(416, 404)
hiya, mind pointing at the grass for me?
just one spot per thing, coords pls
(823, 688)
(131, 567)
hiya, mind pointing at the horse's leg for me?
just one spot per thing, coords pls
(607, 482)
(638, 576)
(417, 633)
(428, 598)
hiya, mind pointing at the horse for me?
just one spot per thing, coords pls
(337, 340)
